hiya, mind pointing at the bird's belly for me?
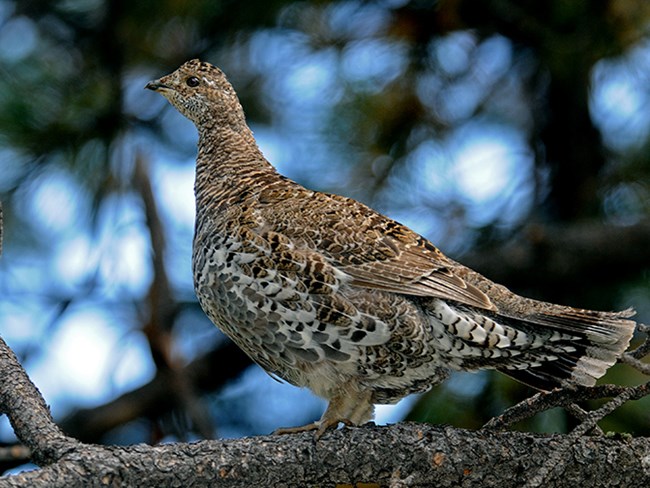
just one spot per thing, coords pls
(317, 338)
(252, 312)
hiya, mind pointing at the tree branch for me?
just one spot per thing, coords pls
(406, 454)
(28, 414)
(162, 312)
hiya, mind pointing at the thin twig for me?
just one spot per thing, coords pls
(581, 414)
(556, 463)
(543, 401)
(636, 363)
(566, 397)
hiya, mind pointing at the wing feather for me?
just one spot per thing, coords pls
(420, 271)
(373, 250)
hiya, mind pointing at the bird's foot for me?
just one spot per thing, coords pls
(321, 426)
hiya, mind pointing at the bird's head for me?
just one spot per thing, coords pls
(201, 92)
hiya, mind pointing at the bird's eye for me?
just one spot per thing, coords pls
(192, 81)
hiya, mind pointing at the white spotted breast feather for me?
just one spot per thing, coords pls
(280, 303)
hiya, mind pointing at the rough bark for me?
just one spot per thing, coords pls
(401, 455)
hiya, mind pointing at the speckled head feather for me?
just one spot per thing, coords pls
(324, 292)
(201, 92)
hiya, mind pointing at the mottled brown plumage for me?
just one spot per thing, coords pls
(324, 292)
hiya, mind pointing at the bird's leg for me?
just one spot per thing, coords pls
(349, 406)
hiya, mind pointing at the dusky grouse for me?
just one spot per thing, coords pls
(324, 292)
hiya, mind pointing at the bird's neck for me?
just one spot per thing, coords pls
(229, 165)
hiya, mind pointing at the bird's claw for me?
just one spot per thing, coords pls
(320, 427)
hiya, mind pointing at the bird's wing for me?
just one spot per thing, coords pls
(417, 268)
(375, 251)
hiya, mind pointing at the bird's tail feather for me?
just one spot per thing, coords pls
(586, 344)
(549, 346)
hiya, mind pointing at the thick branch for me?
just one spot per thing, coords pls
(401, 455)
(30, 417)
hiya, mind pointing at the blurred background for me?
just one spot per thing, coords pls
(515, 134)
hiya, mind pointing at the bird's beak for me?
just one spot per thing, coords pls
(156, 85)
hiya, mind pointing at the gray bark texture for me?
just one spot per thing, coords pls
(402, 455)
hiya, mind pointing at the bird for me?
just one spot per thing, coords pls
(323, 292)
